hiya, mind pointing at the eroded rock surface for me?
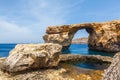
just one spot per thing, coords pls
(32, 56)
(62, 72)
(113, 72)
(85, 58)
(102, 36)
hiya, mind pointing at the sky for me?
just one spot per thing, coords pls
(25, 21)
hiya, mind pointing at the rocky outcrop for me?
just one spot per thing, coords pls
(113, 72)
(85, 58)
(80, 41)
(32, 56)
(102, 36)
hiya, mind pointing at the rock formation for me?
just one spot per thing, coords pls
(102, 36)
(113, 72)
(85, 58)
(62, 72)
(32, 56)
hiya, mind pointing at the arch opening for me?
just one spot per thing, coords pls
(80, 43)
(80, 37)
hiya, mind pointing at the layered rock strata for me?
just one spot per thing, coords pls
(102, 36)
(113, 72)
(32, 56)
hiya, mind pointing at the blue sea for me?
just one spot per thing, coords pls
(83, 50)
(5, 49)
(74, 49)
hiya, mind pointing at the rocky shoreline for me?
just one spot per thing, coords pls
(24, 63)
(62, 72)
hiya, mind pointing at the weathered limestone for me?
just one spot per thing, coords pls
(113, 72)
(85, 58)
(102, 36)
(62, 72)
(32, 56)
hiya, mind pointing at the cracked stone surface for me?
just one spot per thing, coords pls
(113, 72)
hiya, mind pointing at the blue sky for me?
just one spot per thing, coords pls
(25, 21)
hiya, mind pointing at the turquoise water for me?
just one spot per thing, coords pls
(74, 49)
(83, 50)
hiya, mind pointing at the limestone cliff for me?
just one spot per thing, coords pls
(103, 36)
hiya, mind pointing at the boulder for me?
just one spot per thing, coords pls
(113, 71)
(32, 56)
(104, 36)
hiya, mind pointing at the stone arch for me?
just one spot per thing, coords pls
(64, 34)
(99, 35)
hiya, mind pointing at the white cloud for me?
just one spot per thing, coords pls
(51, 12)
(13, 33)
(29, 24)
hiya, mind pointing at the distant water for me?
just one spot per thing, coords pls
(74, 49)
(5, 48)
